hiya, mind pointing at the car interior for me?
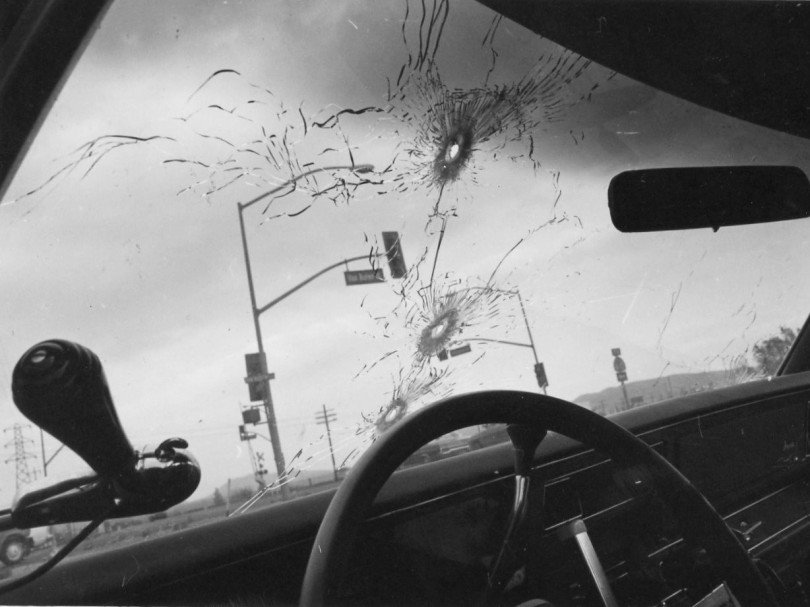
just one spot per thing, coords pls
(693, 495)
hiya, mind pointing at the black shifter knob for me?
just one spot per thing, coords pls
(60, 386)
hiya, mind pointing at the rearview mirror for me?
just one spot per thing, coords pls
(649, 200)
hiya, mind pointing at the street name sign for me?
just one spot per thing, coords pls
(363, 277)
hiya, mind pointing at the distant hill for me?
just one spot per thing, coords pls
(646, 391)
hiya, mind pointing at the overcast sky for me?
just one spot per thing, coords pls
(131, 260)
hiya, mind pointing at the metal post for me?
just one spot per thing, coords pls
(324, 419)
(529, 332)
(528, 329)
(626, 400)
(272, 426)
(621, 373)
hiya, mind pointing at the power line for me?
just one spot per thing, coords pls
(20, 458)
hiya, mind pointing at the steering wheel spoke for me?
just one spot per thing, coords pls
(525, 440)
(577, 530)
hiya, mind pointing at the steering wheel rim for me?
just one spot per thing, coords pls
(352, 503)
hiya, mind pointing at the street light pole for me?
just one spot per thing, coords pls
(269, 410)
(272, 426)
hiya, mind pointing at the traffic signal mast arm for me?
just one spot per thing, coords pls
(497, 341)
(303, 283)
(539, 368)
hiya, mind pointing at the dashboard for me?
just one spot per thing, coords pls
(749, 460)
(436, 528)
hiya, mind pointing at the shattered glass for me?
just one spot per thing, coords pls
(487, 148)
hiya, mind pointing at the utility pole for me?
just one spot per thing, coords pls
(324, 417)
(19, 441)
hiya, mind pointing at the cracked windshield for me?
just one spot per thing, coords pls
(284, 227)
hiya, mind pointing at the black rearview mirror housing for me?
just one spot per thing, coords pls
(650, 200)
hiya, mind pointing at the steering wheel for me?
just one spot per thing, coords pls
(350, 506)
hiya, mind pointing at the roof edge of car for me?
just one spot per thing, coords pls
(42, 40)
(739, 57)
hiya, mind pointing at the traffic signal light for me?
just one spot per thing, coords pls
(251, 416)
(540, 372)
(393, 251)
(257, 377)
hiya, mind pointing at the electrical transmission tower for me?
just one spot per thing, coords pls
(20, 458)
